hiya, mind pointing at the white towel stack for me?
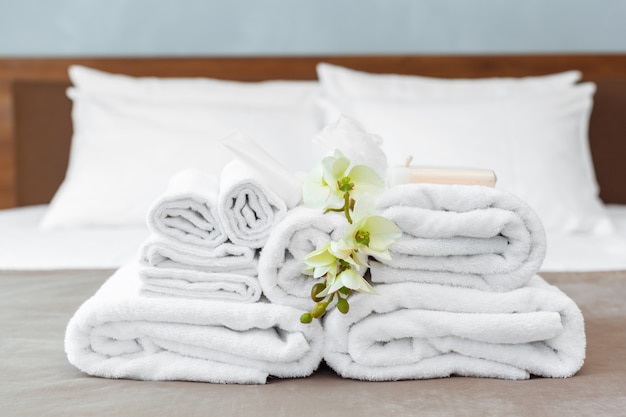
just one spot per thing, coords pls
(460, 295)
(191, 308)
(121, 333)
(190, 254)
(468, 236)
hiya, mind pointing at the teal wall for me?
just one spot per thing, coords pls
(266, 27)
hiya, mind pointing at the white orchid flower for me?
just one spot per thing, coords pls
(331, 183)
(321, 262)
(371, 234)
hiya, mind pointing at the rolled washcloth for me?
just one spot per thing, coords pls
(119, 334)
(282, 259)
(420, 331)
(226, 272)
(468, 236)
(187, 211)
(247, 206)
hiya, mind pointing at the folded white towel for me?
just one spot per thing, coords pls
(419, 331)
(247, 207)
(119, 334)
(187, 211)
(166, 253)
(469, 236)
(282, 259)
(190, 283)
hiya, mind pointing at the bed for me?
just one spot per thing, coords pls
(47, 274)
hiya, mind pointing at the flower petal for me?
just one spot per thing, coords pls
(382, 231)
(366, 180)
(334, 168)
(364, 207)
(354, 281)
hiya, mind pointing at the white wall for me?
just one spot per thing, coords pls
(261, 27)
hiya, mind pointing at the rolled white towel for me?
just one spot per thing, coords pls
(119, 334)
(420, 331)
(187, 211)
(166, 253)
(282, 259)
(247, 207)
(189, 283)
(469, 236)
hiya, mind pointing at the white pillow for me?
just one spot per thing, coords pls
(132, 134)
(341, 83)
(531, 132)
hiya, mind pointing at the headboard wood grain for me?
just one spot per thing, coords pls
(35, 124)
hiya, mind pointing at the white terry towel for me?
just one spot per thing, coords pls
(187, 211)
(469, 236)
(420, 331)
(281, 262)
(119, 334)
(248, 208)
(166, 253)
(188, 283)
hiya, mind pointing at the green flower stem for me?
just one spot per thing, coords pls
(346, 207)
(348, 204)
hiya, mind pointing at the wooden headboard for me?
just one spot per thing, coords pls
(35, 124)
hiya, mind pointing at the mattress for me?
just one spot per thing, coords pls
(35, 307)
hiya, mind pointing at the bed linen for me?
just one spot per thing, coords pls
(37, 379)
(23, 245)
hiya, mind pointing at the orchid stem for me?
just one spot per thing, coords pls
(346, 207)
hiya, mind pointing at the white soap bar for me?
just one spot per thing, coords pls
(462, 176)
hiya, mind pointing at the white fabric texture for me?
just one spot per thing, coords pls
(187, 211)
(532, 132)
(119, 334)
(132, 134)
(281, 262)
(227, 272)
(420, 331)
(469, 236)
(247, 206)
(192, 283)
(272, 172)
(161, 252)
(24, 246)
(358, 145)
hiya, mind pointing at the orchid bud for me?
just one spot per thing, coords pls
(316, 289)
(319, 310)
(342, 305)
(306, 318)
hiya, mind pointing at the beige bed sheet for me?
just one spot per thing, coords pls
(37, 380)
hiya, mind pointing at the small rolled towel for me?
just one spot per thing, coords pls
(468, 236)
(187, 211)
(247, 207)
(282, 259)
(421, 331)
(119, 334)
(190, 283)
